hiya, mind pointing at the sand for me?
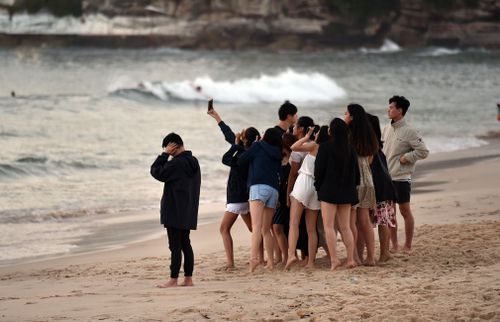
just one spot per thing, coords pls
(453, 274)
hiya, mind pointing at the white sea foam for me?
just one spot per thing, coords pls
(388, 46)
(439, 51)
(288, 85)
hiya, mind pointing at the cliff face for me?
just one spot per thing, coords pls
(290, 24)
(454, 24)
(303, 24)
(268, 24)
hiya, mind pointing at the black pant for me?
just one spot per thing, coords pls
(179, 243)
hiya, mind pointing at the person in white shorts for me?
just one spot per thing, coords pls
(304, 196)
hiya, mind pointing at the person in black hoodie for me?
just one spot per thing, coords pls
(179, 203)
(336, 176)
(237, 190)
(264, 165)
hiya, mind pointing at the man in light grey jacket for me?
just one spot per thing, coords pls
(403, 146)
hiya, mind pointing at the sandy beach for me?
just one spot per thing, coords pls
(453, 274)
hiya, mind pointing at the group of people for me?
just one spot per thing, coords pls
(299, 184)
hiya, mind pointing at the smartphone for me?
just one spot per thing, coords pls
(210, 104)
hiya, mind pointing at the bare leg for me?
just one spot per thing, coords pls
(225, 231)
(394, 234)
(267, 221)
(279, 232)
(405, 210)
(354, 232)
(256, 212)
(172, 282)
(312, 235)
(247, 220)
(328, 212)
(360, 242)
(344, 222)
(278, 256)
(293, 234)
(369, 237)
(384, 235)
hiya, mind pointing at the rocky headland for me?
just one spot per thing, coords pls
(266, 24)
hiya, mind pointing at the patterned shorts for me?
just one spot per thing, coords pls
(385, 214)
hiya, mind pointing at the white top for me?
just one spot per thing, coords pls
(298, 156)
(307, 166)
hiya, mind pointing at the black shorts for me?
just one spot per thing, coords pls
(282, 216)
(402, 190)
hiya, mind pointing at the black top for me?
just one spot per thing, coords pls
(384, 189)
(277, 127)
(336, 184)
(237, 190)
(181, 192)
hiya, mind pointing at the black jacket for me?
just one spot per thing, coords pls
(181, 192)
(384, 189)
(336, 184)
(264, 162)
(237, 190)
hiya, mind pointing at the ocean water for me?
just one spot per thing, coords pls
(77, 141)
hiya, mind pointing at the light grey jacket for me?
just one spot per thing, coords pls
(401, 139)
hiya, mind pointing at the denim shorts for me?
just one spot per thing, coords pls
(267, 194)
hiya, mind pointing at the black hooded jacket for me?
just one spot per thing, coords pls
(181, 192)
(384, 189)
(264, 164)
(237, 190)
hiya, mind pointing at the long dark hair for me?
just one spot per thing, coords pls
(288, 140)
(376, 128)
(342, 149)
(251, 135)
(322, 135)
(273, 137)
(362, 136)
(304, 123)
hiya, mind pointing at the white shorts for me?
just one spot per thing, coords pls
(240, 208)
(305, 192)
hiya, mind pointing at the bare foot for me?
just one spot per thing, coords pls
(304, 262)
(188, 281)
(358, 260)
(384, 258)
(309, 266)
(394, 249)
(407, 250)
(335, 264)
(253, 264)
(171, 283)
(290, 262)
(370, 262)
(269, 267)
(350, 264)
